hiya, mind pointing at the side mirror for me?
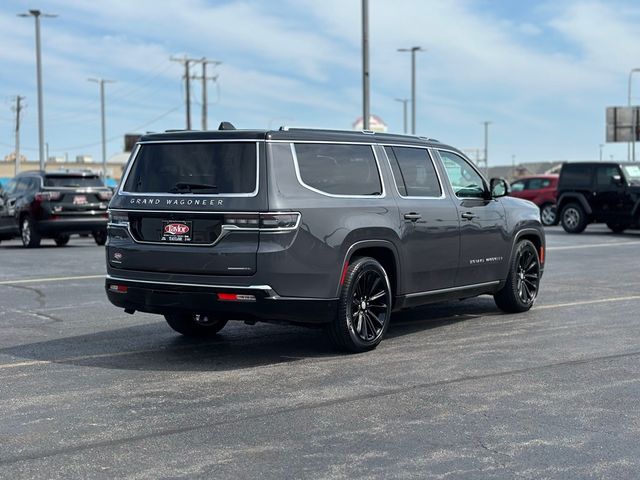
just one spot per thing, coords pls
(499, 187)
(616, 180)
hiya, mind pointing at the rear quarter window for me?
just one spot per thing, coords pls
(576, 176)
(338, 169)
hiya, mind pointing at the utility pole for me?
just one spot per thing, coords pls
(601, 147)
(186, 62)
(101, 82)
(204, 79)
(18, 108)
(366, 113)
(486, 145)
(404, 111)
(36, 14)
(413, 51)
(513, 166)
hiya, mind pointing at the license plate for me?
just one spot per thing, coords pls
(175, 231)
(80, 200)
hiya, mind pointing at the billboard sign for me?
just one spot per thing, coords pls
(621, 122)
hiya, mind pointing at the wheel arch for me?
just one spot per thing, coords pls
(567, 197)
(384, 251)
(535, 237)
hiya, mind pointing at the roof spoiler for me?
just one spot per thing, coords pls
(226, 126)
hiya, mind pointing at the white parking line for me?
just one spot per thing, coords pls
(587, 302)
(593, 245)
(48, 279)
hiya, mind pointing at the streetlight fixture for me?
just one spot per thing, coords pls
(404, 111)
(413, 51)
(36, 14)
(101, 82)
(632, 152)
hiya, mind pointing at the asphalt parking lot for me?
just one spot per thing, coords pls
(457, 390)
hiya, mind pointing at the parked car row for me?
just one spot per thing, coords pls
(37, 204)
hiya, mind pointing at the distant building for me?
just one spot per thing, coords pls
(376, 124)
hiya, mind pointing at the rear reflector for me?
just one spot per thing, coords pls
(236, 297)
(542, 255)
(118, 288)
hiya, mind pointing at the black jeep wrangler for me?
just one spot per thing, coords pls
(313, 226)
(599, 192)
(38, 204)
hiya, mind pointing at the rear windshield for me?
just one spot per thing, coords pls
(72, 181)
(198, 167)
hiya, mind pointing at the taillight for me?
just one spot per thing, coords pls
(236, 297)
(47, 196)
(118, 217)
(279, 221)
(118, 288)
(105, 195)
(263, 221)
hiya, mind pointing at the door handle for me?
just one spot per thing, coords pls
(414, 217)
(468, 216)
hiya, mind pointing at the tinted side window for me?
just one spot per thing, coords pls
(604, 176)
(22, 185)
(339, 169)
(576, 176)
(537, 183)
(417, 174)
(466, 182)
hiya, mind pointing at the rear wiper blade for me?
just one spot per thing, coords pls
(188, 187)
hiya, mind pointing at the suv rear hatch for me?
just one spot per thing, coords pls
(190, 207)
(72, 195)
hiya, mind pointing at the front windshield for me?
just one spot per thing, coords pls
(632, 174)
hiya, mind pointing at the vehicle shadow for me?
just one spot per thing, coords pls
(155, 347)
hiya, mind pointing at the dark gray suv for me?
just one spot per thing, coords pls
(310, 226)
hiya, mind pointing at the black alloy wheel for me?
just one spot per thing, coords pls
(521, 287)
(197, 325)
(364, 307)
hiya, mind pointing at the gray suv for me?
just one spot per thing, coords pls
(304, 226)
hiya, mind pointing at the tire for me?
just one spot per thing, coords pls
(364, 307)
(195, 325)
(523, 282)
(100, 237)
(62, 240)
(617, 227)
(548, 215)
(573, 218)
(30, 237)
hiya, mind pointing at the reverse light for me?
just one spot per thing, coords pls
(118, 288)
(236, 297)
(47, 196)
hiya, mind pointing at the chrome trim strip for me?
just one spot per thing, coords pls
(266, 288)
(123, 181)
(435, 167)
(452, 289)
(333, 195)
(225, 229)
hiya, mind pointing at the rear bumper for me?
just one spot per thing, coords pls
(161, 298)
(72, 225)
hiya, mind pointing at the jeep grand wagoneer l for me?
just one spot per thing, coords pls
(313, 226)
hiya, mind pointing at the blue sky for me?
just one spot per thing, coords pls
(541, 72)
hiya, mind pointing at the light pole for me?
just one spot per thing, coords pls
(413, 51)
(36, 14)
(486, 145)
(101, 82)
(404, 111)
(632, 155)
(365, 65)
(601, 147)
